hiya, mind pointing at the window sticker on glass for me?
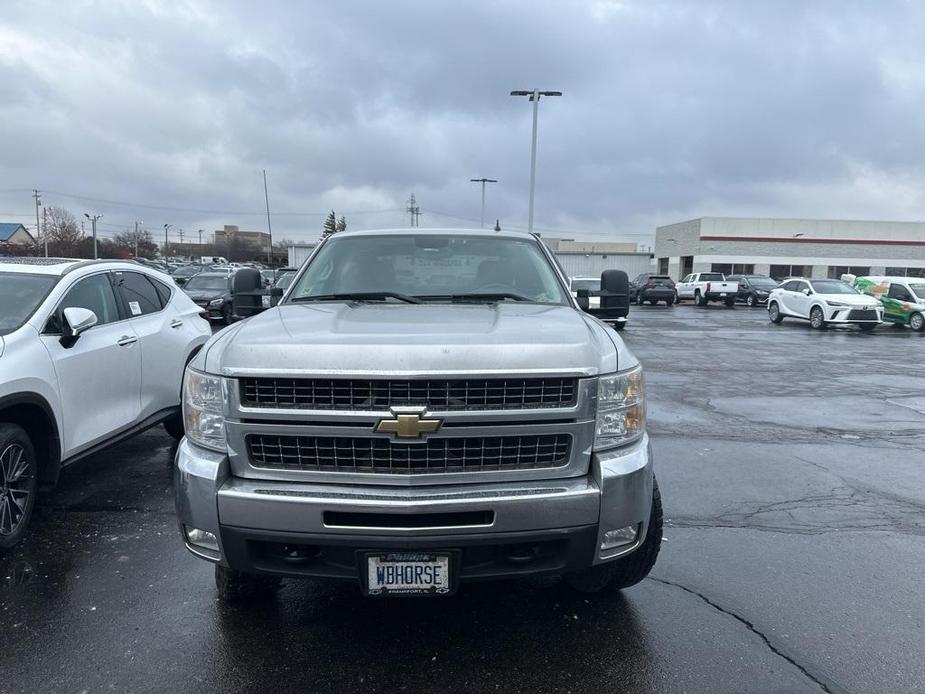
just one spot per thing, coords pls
(134, 308)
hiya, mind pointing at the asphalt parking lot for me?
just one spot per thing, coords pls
(793, 475)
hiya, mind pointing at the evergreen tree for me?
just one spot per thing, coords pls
(330, 224)
(342, 223)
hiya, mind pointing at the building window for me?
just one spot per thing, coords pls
(781, 272)
(663, 266)
(906, 271)
(743, 269)
(836, 271)
(725, 268)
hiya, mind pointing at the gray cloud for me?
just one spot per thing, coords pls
(671, 110)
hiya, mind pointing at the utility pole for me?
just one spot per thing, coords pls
(266, 199)
(38, 230)
(414, 211)
(483, 181)
(200, 241)
(45, 228)
(93, 220)
(136, 237)
(534, 95)
(166, 228)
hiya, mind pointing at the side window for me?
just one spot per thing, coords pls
(791, 286)
(139, 296)
(897, 291)
(163, 291)
(94, 293)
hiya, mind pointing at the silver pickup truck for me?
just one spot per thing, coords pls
(421, 409)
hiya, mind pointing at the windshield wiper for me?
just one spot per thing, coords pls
(359, 296)
(487, 296)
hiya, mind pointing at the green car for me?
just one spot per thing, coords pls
(903, 298)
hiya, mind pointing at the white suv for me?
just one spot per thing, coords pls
(824, 302)
(91, 352)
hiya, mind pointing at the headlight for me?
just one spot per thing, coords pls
(836, 303)
(203, 416)
(215, 303)
(621, 409)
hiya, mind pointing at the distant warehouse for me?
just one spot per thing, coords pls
(790, 247)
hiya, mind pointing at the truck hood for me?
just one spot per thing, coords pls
(396, 339)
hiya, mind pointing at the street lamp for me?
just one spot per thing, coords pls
(93, 220)
(534, 95)
(483, 181)
(166, 228)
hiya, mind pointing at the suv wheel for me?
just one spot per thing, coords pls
(817, 318)
(629, 570)
(917, 322)
(239, 586)
(774, 312)
(18, 483)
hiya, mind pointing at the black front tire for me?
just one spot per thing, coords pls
(174, 426)
(817, 318)
(751, 301)
(730, 302)
(669, 302)
(18, 483)
(699, 299)
(238, 586)
(774, 313)
(629, 570)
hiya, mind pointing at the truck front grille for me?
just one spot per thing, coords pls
(436, 455)
(357, 394)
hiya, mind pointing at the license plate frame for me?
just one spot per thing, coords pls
(449, 558)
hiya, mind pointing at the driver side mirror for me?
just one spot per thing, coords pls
(807, 291)
(76, 321)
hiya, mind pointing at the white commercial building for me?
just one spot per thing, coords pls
(790, 247)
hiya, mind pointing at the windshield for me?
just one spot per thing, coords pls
(918, 290)
(762, 282)
(833, 287)
(20, 295)
(592, 284)
(432, 267)
(216, 282)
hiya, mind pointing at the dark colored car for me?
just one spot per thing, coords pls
(183, 273)
(753, 289)
(652, 288)
(212, 291)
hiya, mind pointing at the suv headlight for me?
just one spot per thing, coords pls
(215, 303)
(203, 415)
(621, 408)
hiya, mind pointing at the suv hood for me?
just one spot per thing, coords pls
(858, 300)
(206, 294)
(395, 339)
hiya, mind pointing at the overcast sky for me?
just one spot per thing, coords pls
(671, 110)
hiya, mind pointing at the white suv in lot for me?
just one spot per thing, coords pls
(824, 302)
(91, 352)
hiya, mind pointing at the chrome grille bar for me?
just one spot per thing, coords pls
(434, 394)
(436, 455)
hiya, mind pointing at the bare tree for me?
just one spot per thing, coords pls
(137, 243)
(63, 232)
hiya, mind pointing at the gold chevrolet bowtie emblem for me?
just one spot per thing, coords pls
(408, 426)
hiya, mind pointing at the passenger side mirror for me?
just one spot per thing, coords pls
(807, 291)
(76, 321)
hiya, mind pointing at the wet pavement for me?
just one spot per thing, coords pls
(793, 475)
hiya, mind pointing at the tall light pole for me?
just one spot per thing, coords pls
(483, 181)
(166, 229)
(534, 95)
(93, 220)
(266, 199)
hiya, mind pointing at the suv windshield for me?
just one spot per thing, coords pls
(833, 287)
(430, 267)
(20, 295)
(216, 282)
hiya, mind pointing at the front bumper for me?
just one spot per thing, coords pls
(500, 529)
(849, 315)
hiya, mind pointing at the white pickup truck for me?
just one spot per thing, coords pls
(704, 287)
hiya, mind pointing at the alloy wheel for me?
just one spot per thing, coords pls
(15, 476)
(917, 322)
(816, 318)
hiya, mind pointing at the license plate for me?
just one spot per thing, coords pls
(408, 573)
(722, 294)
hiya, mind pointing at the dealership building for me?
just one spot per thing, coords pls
(790, 247)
